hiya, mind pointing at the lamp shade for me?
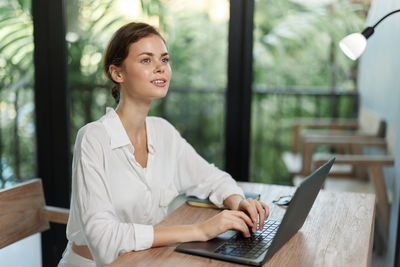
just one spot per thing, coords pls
(353, 45)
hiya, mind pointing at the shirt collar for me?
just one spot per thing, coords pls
(150, 143)
(117, 133)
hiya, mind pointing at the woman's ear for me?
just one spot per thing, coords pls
(116, 74)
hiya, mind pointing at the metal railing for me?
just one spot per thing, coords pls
(199, 114)
(317, 94)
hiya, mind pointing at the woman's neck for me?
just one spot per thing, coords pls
(133, 117)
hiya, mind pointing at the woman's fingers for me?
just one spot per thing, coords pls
(257, 210)
(244, 217)
(254, 213)
(224, 221)
(263, 211)
(240, 225)
(250, 212)
(249, 207)
(253, 210)
(261, 214)
(266, 208)
(235, 220)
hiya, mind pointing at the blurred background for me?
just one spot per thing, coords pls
(298, 71)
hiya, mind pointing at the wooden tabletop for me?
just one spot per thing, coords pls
(337, 232)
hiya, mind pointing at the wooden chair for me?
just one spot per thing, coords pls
(368, 124)
(356, 144)
(336, 133)
(23, 212)
(374, 164)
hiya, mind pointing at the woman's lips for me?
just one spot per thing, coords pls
(159, 82)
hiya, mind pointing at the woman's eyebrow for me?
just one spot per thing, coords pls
(151, 54)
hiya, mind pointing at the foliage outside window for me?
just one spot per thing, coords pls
(195, 102)
(295, 50)
(17, 129)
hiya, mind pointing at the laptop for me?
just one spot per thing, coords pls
(262, 245)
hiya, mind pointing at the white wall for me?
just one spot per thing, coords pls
(24, 253)
(379, 87)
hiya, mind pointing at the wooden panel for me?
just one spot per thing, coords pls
(54, 214)
(382, 196)
(359, 160)
(371, 123)
(312, 142)
(19, 212)
(337, 232)
(326, 123)
(308, 151)
(293, 163)
(332, 140)
(391, 139)
(335, 126)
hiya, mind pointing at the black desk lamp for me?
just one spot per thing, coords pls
(353, 45)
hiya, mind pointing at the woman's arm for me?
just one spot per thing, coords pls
(243, 214)
(92, 210)
(220, 223)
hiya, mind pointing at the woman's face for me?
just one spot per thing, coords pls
(146, 72)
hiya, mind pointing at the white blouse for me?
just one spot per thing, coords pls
(115, 202)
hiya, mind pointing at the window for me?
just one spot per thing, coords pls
(298, 72)
(196, 100)
(17, 119)
(17, 128)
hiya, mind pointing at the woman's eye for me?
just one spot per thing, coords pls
(145, 60)
(165, 60)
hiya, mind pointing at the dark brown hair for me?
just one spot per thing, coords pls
(118, 48)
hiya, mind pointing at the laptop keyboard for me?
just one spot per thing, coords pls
(250, 247)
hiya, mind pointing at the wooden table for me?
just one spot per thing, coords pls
(337, 232)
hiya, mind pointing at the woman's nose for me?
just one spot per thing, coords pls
(159, 68)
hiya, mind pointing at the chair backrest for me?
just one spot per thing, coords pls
(391, 139)
(23, 212)
(370, 123)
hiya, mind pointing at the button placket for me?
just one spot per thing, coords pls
(150, 159)
(129, 153)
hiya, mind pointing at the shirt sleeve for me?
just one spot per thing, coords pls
(106, 235)
(199, 178)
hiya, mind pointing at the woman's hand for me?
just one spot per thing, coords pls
(224, 221)
(253, 208)
(256, 210)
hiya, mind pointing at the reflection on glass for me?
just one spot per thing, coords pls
(17, 129)
(196, 34)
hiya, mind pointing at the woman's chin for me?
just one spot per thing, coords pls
(161, 93)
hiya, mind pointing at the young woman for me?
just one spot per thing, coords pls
(128, 167)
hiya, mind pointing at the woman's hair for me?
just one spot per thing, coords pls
(118, 48)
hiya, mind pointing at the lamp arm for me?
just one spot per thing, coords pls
(387, 15)
(367, 32)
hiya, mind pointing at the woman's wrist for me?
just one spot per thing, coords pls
(232, 202)
(198, 232)
(165, 235)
